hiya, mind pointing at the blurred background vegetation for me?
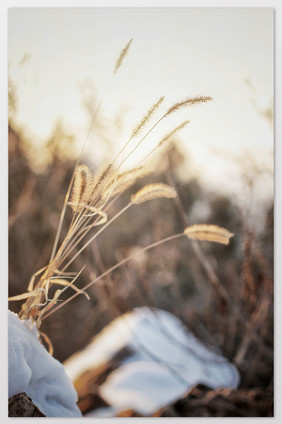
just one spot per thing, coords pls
(224, 294)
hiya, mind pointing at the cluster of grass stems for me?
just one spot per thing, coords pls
(90, 197)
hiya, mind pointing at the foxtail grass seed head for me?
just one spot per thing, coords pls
(82, 186)
(101, 180)
(88, 192)
(208, 232)
(172, 133)
(122, 55)
(146, 118)
(102, 176)
(191, 101)
(153, 191)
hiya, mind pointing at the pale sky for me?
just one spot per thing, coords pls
(176, 52)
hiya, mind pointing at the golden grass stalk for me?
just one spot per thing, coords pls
(208, 232)
(188, 102)
(93, 237)
(138, 128)
(114, 185)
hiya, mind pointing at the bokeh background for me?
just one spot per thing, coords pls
(61, 65)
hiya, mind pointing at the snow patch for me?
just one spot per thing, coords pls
(34, 371)
(167, 360)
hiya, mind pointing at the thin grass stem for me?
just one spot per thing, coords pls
(116, 266)
(96, 235)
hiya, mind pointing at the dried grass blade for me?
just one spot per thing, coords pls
(26, 295)
(68, 284)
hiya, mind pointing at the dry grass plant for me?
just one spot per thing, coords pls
(90, 197)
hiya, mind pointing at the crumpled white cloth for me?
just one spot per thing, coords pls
(167, 360)
(34, 371)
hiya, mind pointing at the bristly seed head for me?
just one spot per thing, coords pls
(191, 101)
(122, 55)
(153, 191)
(169, 135)
(101, 177)
(147, 117)
(88, 191)
(82, 186)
